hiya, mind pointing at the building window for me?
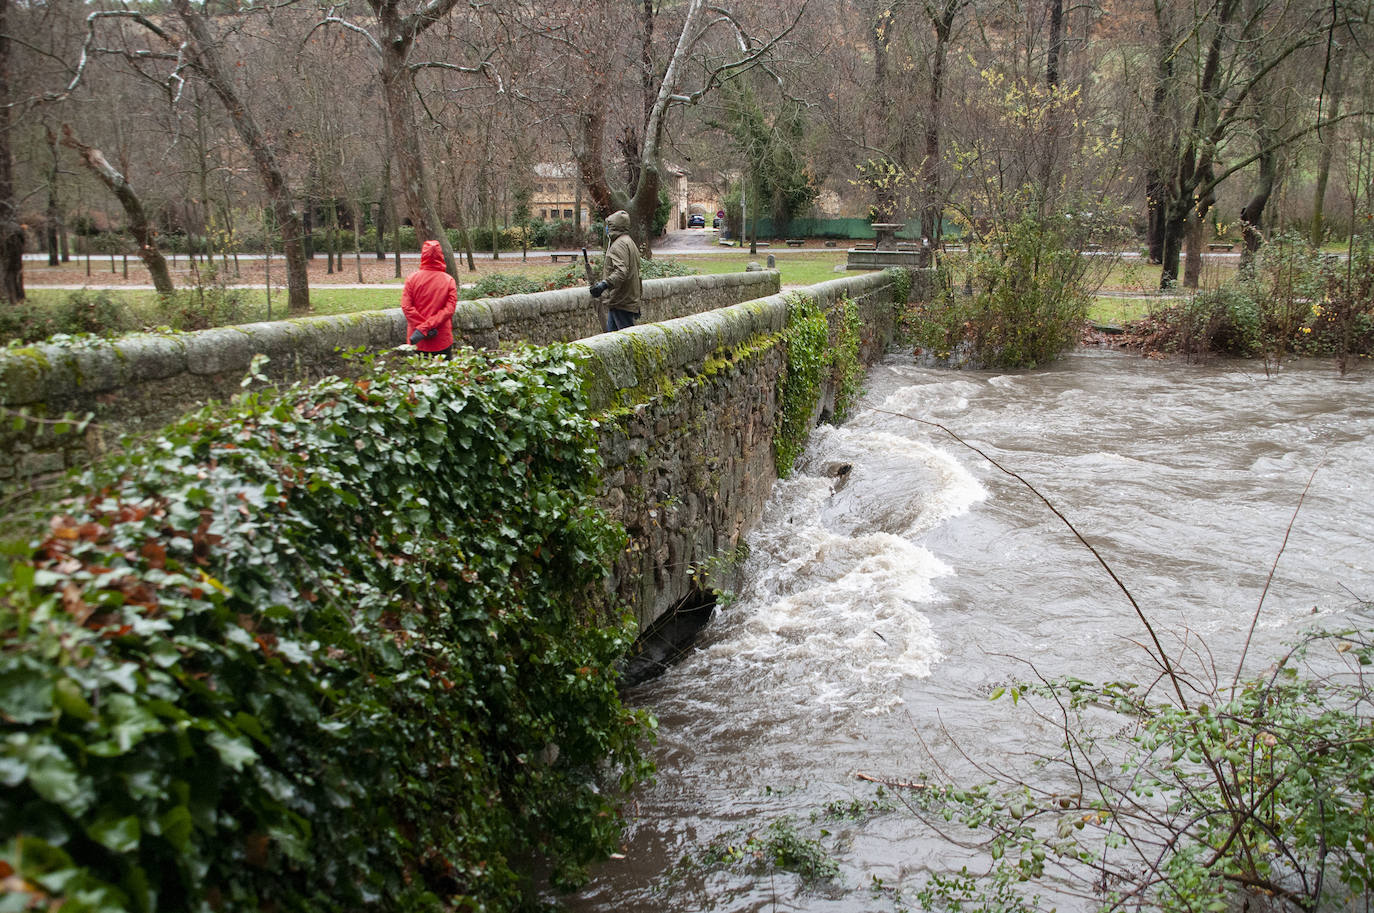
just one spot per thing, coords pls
(567, 213)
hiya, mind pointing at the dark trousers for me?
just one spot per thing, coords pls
(616, 319)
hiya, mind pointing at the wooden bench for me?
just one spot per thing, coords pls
(795, 242)
(572, 258)
(1216, 246)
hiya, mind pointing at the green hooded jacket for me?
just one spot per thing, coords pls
(620, 266)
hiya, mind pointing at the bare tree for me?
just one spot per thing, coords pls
(11, 230)
(1331, 93)
(204, 55)
(393, 41)
(941, 18)
(145, 236)
(1239, 49)
(619, 119)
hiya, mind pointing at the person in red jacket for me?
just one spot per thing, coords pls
(428, 299)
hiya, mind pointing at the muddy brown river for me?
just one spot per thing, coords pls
(879, 613)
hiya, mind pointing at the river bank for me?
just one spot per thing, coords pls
(881, 614)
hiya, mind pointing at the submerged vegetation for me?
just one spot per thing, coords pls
(328, 649)
(1253, 795)
(1021, 295)
(1294, 300)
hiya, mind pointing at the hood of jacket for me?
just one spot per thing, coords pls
(432, 256)
(618, 222)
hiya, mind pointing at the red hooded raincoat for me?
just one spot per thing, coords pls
(428, 300)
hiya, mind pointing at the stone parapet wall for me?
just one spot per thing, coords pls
(688, 409)
(568, 314)
(145, 380)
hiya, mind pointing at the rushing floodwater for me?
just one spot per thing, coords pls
(880, 612)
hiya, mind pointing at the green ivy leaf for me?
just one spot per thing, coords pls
(235, 753)
(120, 835)
(26, 694)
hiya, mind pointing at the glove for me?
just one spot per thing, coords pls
(599, 288)
(416, 337)
(431, 332)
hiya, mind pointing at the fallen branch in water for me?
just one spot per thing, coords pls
(891, 784)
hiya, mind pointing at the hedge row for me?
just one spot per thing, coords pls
(322, 650)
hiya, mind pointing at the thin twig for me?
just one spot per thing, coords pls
(1245, 648)
(1163, 657)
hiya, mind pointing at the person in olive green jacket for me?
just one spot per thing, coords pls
(619, 275)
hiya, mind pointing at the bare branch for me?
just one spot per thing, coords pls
(728, 71)
(344, 23)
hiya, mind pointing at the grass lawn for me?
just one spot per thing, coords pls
(795, 269)
(1119, 300)
(1116, 311)
(323, 300)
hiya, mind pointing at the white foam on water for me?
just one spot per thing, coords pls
(829, 622)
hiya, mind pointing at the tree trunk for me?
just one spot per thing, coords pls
(54, 212)
(1173, 226)
(11, 231)
(145, 235)
(264, 157)
(465, 238)
(357, 238)
(1252, 214)
(1163, 137)
(1056, 43)
(932, 208)
(380, 223)
(335, 254)
(1192, 261)
(405, 137)
(1193, 172)
(1328, 147)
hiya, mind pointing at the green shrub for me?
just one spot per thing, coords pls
(83, 312)
(208, 303)
(901, 284)
(660, 268)
(847, 372)
(1253, 795)
(1293, 300)
(499, 285)
(563, 235)
(1225, 320)
(573, 275)
(324, 650)
(509, 238)
(1024, 300)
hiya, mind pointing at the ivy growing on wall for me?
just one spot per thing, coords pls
(807, 364)
(901, 284)
(848, 371)
(322, 650)
(813, 359)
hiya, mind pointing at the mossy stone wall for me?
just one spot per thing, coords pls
(689, 409)
(143, 381)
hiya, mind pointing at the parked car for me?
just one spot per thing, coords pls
(696, 220)
(715, 223)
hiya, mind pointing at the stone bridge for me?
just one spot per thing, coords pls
(687, 402)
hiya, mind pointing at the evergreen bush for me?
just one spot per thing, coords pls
(1024, 301)
(324, 650)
